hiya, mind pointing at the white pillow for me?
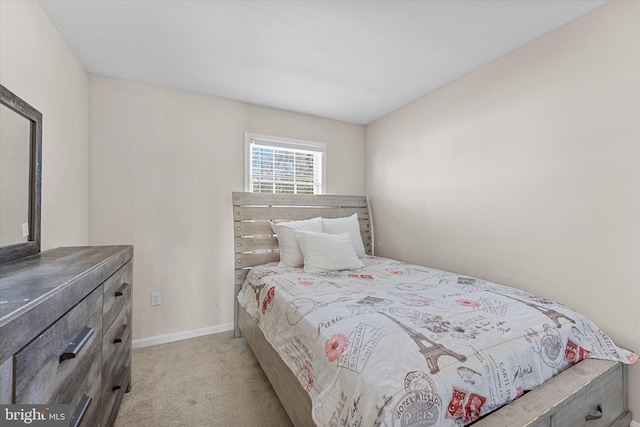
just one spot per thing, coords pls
(348, 224)
(290, 253)
(327, 252)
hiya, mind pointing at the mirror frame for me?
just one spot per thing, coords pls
(32, 245)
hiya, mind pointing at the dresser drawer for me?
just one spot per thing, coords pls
(85, 410)
(63, 363)
(113, 389)
(116, 361)
(116, 344)
(117, 293)
(603, 399)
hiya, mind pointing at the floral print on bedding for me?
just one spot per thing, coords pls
(395, 344)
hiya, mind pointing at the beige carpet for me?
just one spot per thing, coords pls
(212, 380)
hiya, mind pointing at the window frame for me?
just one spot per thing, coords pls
(286, 143)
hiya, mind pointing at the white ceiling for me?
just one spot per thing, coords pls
(347, 60)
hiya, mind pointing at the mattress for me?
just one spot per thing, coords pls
(396, 344)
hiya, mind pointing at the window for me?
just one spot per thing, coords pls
(282, 165)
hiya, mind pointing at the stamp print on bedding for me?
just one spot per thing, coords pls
(361, 343)
(420, 405)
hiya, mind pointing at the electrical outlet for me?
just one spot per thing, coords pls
(155, 298)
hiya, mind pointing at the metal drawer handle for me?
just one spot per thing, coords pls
(120, 379)
(76, 345)
(123, 329)
(80, 410)
(121, 289)
(595, 415)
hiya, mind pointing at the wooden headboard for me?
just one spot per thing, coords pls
(254, 242)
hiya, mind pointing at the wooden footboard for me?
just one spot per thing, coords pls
(592, 393)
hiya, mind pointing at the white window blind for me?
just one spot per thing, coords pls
(280, 165)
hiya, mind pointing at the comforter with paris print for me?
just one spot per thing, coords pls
(396, 344)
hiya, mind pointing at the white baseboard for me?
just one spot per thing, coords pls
(635, 424)
(177, 336)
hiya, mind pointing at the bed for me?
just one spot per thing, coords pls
(592, 392)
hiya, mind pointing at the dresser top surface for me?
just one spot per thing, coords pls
(28, 282)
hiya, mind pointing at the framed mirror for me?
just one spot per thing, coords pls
(20, 177)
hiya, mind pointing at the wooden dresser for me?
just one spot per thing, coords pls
(65, 330)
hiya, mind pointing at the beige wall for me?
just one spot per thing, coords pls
(527, 172)
(37, 65)
(163, 164)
